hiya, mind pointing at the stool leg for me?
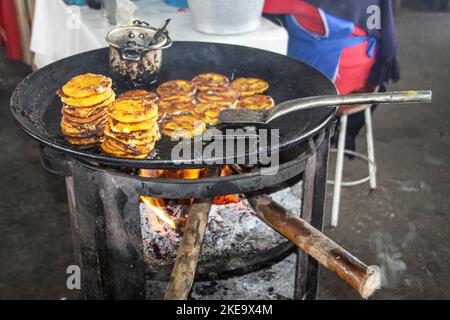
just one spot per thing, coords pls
(370, 146)
(339, 169)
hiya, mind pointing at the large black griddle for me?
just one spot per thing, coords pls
(37, 108)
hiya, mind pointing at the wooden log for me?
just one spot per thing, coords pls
(364, 279)
(183, 272)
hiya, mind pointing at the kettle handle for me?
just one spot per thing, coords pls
(130, 53)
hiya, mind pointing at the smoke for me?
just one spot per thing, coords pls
(392, 267)
(392, 263)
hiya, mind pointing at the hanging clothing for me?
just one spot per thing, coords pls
(387, 67)
(9, 30)
(357, 63)
(324, 52)
(334, 37)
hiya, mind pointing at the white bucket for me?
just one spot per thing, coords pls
(224, 17)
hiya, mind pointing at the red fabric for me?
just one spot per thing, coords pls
(355, 66)
(8, 22)
(354, 69)
(307, 15)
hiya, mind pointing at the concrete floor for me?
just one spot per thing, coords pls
(402, 226)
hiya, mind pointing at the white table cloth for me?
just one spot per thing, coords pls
(60, 30)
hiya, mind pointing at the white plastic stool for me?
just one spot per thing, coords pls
(370, 158)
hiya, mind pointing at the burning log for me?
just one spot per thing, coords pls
(183, 272)
(365, 279)
(182, 277)
(231, 198)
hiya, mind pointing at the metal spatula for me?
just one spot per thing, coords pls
(264, 117)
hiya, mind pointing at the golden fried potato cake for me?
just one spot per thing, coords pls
(183, 126)
(130, 111)
(139, 94)
(136, 150)
(134, 138)
(209, 112)
(86, 111)
(166, 105)
(98, 132)
(86, 85)
(83, 130)
(166, 101)
(68, 120)
(89, 141)
(87, 101)
(91, 118)
(118, 126)
(110, 149)
(176, 88)
(135, 142)
(249, 86)
(258, 101)
(153, 132)
(211, 81)
(176, 108)
(224, 97)
(130, 149)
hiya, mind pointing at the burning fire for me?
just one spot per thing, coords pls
(230, 198)
(172, 174)
(160, 207)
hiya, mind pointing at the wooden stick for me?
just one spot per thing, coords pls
(364, 279)
(183, 272)
(182, 277)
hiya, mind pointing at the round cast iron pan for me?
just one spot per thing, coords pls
(36, 107)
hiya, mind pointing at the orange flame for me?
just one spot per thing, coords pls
(226, 171)
(172, 174)
(158, 206)
(230, 198)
